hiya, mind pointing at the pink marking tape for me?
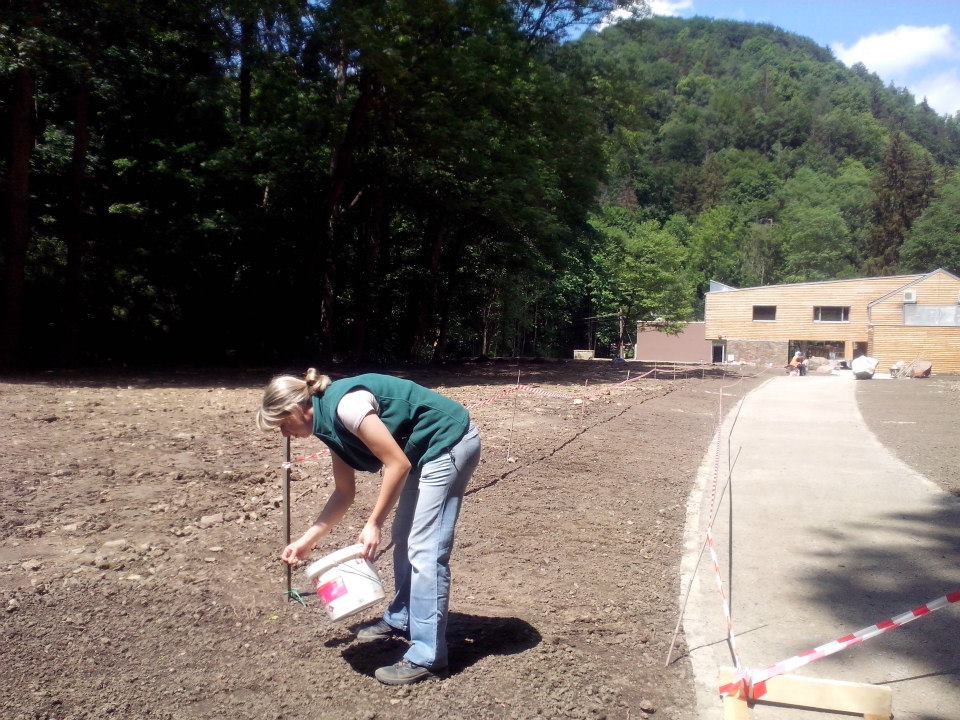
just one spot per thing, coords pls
(531, 390)
(637, 377)
(300, 459)
(711, 543)
(496, 398)
(751, 684)
(731, 638)
(320, 454)
(528, 389)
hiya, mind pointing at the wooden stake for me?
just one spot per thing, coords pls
(286, 506)
(873, 702)
(583, 401)
(515, 399)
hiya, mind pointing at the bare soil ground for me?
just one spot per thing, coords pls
(141, 526)
(917, 420)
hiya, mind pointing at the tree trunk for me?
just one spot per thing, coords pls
(536, 327)
(75, 222)
(22, 130)
(341, 165)
(446, 288)
(248, 28)
(443, 310)
(368, 274)
(440, 344)
(485, 318)
(428, 294)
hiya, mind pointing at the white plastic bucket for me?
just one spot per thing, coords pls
(346, 582)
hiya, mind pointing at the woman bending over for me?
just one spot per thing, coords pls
(428, 449)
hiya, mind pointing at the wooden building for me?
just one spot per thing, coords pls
(902, 317)
(689, 345)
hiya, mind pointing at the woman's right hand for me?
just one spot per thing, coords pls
(296, 551)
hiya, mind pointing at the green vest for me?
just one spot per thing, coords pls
(424, 423)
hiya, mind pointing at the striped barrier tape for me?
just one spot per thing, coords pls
(319, 455)
(711, 543)
(301, 459)
(531, 390)
(751, 684)
(496, 398)
(527, 389)
(540, 392)
(637, 377)
(731, 638)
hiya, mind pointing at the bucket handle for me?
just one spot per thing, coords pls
(331, 561)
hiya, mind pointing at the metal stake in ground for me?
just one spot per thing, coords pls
(513, 419)
(583, 401)
(286, 506)
(696, 567)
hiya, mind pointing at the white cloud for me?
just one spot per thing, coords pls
(903, 48)
(942, 91)
(657, 7)
(614, 17)
(669, 7)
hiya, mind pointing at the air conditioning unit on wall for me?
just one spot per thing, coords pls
(909, 296)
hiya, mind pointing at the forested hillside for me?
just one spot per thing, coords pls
(749, 155)
(284, 181)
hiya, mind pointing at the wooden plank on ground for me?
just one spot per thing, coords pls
(871, 701)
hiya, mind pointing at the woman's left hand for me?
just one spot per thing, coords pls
(370, 539)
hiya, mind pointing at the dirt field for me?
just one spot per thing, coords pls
(141, 524)
(917, 420)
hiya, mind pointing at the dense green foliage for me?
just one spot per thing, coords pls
(287, 180)
(768, 160)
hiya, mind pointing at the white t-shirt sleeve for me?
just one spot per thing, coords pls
(354, 407)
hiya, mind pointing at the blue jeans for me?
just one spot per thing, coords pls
(423, 538)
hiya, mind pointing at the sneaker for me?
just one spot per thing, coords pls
(378, 631)
(405, 673)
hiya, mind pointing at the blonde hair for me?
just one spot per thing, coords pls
(285, 392)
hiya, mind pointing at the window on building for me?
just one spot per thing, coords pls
(765, 313)
(932, 315)
(831, 314)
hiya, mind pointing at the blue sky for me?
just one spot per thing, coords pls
(911, 43)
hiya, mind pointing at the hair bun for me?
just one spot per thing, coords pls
(316, 383)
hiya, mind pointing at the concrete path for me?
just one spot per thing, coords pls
(831, 533)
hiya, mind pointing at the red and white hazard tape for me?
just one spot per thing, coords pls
(731, 638)
(301, 459)
(317, 456)
(637, 377)
(751, 684)
(540, 392)
(711, 543)
(531, 390)
(496, 398)
(526, 389)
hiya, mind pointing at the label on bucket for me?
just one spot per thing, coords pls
(330, 591)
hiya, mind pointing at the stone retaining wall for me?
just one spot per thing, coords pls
(759, 352)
